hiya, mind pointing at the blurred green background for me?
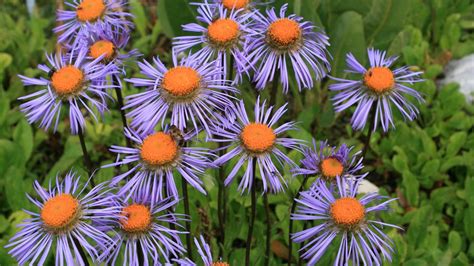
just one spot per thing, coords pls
(428, 164)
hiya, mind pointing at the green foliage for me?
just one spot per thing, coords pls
(427, 164)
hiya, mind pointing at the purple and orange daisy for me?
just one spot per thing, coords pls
(224, 32)
(65, 222)
(329, 162)
(340, 213)
(257, 141)
(277, 40)
(188, 92)
(153, 162)
(88, 16)
(380, 86)
(143, 236)
(246, 5)
(71, 80)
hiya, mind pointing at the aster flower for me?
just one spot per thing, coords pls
(206, 255)
(153, 161)
(188, 91)
(88, 16)
(329, 162)
(339, 213)
(257, 141)
(287, 38)
(378, 85)
(64, 221)
(142, 228)
(224, 32)
(109, 43)
(71, 80)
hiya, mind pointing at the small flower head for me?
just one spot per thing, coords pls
(142, 222)
(109, 44)
(188, 92)
(221, 31)
(91, 16)
(340, 213)
(71, 81)
(329, 162)
(258, 140)
(245, 5)
(65, 220)
(153, 161)
(379, 87)
(278, 39)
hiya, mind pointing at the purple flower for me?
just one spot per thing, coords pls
(329, 162)
(378, 85)
(338, 212)
(224, 32)
(257, 141)
(142, 232)
(280, 39)
(73, 81)
(188, 92)
(88, 16)
(64, 222)
(206, 255)
(110, 43)
(154, 160)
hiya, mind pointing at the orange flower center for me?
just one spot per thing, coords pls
(159, 149)
(138, 218)
(257, 137)
(181, 81)
(60, 211)
(102, 47)
(347, 211)
(67, 80)
(331, 167)
(284, 33)
(220, 263)
(235, 4)
(379, 79)
(223, 31)
(90, 10)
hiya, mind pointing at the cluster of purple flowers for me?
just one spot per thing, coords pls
(131, 217)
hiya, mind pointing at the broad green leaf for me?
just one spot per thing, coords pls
(346, 37)
(139, 16)
(174, 13)
(385, 19)
(23, 135)
(455, 143)
(411, 187)
(454, 242)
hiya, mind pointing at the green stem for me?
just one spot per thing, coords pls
(252, 214)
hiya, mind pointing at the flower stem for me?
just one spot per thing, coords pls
(269, 229)
(290, 227)
(369, 133)
(184, 186)
(252, 214)
(87, 159)
(118, 91)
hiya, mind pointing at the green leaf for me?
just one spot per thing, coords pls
(23, 135)
(384, 20)
(454, 242)
(347, 37)
(411, 187)
(455, 143)
(174, 13)
(139, 17)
